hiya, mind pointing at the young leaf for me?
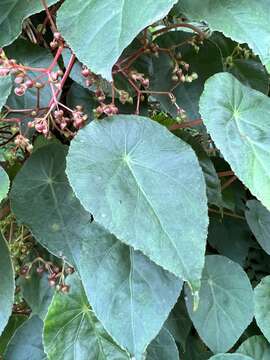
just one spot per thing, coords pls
(42, 199)
(256, 347)
(26, 343)
(4, 183)
(7, 284)
(163, 347)
(258, 218)
(131, 295)
(132, 174)
(5, 89)
(230, 357)
(244, 21)
(262, 306)
(226, 303)
(237, 120)
(13, 12)
(112, 28)
(71, 331)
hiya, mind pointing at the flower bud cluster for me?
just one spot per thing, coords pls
(23, 143)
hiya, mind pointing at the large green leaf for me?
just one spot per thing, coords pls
(205, 63)
(262, 306)
(237, 120)
(26, 343)
(7, 284)
(4, 183)
(5, 89)
(163, 347)
(258, 218)
(244, 21)
(71, 331)
(134, 176)
(226, 303)
(13, 12)
(131, 295)
(42, 199)
(256, 347)
(230, 357)
(113, 26)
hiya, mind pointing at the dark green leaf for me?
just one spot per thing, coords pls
(77, 95)
(226, 303)
(13, 12)
(133, 175)
(230, 237)
(179, 323)
(26, 343)
(42, 199)
(13, 323)
(71, 331)
(237, 120)
(205, 63)
(195, 349)
(163, 347)
(37, 293)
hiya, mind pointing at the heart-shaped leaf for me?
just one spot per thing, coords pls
(226, 303)
(132, 175)
(237, 120)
